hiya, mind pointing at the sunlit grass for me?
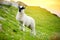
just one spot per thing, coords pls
(46, 24)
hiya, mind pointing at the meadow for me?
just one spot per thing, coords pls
(46, 24)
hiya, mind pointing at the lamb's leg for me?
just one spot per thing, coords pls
(33, 30)
(22, 26)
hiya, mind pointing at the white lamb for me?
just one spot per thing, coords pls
(25, 20)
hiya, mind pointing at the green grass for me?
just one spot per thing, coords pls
(46, 24)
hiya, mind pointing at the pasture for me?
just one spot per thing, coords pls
(46, 24)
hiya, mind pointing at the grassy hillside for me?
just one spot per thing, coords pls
(46, 24)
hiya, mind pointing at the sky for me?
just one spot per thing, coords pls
(51, 5)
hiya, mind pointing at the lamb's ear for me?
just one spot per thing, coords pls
(23, 7)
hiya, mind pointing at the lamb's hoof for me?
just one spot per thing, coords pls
(22, 29)
(33, 33)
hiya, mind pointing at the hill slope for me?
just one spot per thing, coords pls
(46, 24)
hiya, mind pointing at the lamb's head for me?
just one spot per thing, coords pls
(21, 8)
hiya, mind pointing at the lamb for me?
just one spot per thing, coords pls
(25, 20)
